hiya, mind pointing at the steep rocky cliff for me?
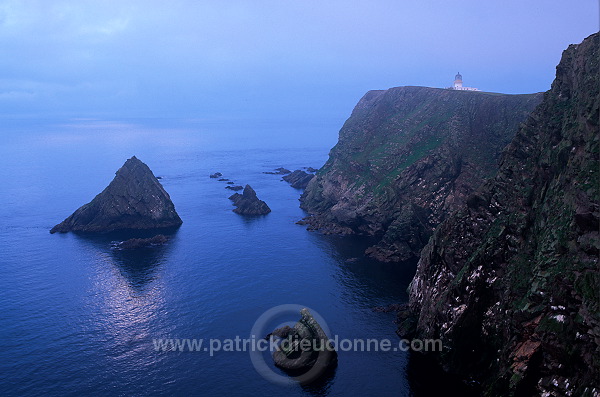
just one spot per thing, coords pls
(406, 158)
(510, 282)
(134, 199)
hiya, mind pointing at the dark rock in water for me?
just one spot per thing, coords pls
(298, 179)
(159, 177)
(278, 171)
(248, 203)
(231, 183)
(282, 170)
(223, 180)
(311, 169)
(134, 199)
(234, 188)
(135, 243)
(216, 175)
(306, 347)
(509, 282)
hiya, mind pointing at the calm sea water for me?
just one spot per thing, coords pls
(78, 318)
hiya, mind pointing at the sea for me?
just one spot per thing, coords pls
(79, 317)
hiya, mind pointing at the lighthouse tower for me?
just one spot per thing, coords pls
(458, 81)
(458, 84)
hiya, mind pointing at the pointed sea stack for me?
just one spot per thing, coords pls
(134, 199)
(248, 203)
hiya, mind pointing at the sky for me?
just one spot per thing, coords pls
(260, 59)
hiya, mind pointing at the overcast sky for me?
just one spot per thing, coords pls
(256, 58)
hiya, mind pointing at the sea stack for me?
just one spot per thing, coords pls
(134, 200)
(248, 203)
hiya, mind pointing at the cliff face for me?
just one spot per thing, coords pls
(134, 199)
(510, 282)
(406, 158)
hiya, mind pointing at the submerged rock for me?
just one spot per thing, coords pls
(216, 175)
(298, 179)
(278, 171)
(248, 203)
(234, 188)
(135, 243)
(134, 199)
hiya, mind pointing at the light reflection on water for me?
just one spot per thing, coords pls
(78, 317)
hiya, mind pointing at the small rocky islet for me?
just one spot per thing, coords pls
(136, 243)
(134, 200)
(298, 179)
(248, 203)
(278, 171)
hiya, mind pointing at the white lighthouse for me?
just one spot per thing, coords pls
(458, 84)
(457, 81)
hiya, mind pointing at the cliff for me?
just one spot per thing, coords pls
(510, 282)
(134, 199)
(406, 158)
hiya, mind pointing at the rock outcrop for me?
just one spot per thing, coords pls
(298, 179)
(278, 171)
(248, 203)
(510, 282)
(136, 243)
(406, 158)
(134, 199)
(305, 349)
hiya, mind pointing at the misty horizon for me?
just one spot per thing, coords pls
(199, 60)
